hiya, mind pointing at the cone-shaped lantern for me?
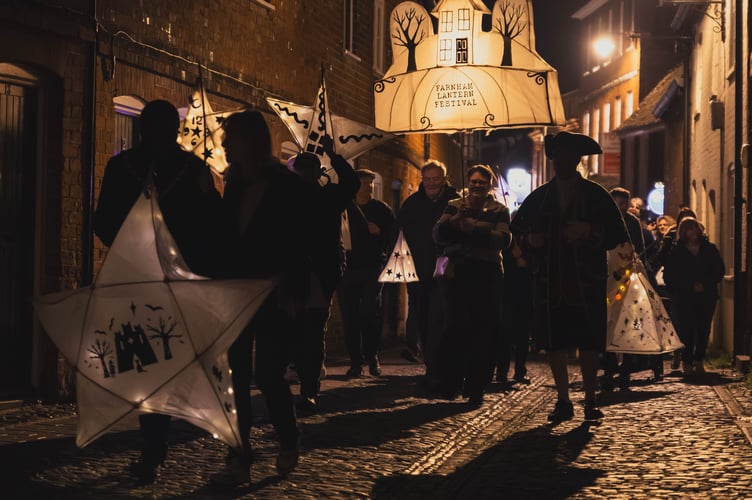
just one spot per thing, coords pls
(400, 268)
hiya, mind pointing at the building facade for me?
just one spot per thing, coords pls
(667, 96)
(76, 74)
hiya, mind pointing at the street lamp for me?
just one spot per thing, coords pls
(604, 46)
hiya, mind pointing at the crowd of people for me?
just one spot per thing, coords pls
(490, 283)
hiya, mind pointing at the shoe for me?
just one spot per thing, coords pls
(657, 376)
(675, 359)
(563, 410)
(145, 472)
(521, 379)
(236, 471)
(688, 370)
(306, 406)
(700, 368)
(355, 371)
(410, 355)
(475, 400)
(287, 460)
(592, 412)
(374, 367)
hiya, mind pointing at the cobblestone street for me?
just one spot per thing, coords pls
(384, 438)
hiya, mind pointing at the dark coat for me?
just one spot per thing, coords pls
(570, 275)
(325, 245)
(683, 270)
(368, 250)
(416, 218)
(190, 204)
(270, 219)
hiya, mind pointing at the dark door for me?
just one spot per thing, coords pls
(17, 164)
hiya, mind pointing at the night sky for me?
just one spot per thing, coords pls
(557, 38)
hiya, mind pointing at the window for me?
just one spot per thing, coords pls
(378, 187)
(445, 50)
(607, 117)
(596, 135)
(617, 112)
(596, 124)
(586, 124)
(461, 51)
(446, 21)
(629, 104)
(378, 36)
(463, 19)
(127, 112)
(350, 24)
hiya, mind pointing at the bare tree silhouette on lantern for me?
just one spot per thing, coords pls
(404, 38)
(100, 350)
(509, 27)
(163, 333)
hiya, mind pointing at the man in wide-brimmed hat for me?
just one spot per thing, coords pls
(565, 228)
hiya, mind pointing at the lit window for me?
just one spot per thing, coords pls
(463, 19)
(617, 112)
(446, 21)
(607, 117)
(127, 112)
(629, 105)
(586, 124)
(445, 49)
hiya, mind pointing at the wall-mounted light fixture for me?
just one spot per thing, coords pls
(718, 16)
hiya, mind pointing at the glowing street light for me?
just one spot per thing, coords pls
(604, 47)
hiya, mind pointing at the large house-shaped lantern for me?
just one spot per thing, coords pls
(464, 78)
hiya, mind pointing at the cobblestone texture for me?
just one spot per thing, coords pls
(385, 438)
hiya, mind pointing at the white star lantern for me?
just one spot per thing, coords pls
(400, 268)
(201, 131)
(309, 125)
(149, 336)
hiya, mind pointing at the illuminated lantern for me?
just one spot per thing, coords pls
(400, 268)
(149, 336)
(309, 125)
(637, 321)
(463, 78)
(201, 131)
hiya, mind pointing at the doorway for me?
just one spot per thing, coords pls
(18, 132)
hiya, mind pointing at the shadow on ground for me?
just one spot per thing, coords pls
(529, 464)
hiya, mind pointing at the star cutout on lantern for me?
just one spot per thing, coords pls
(149, 336)
(400, 268)
(310, 124)
(201, 131)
